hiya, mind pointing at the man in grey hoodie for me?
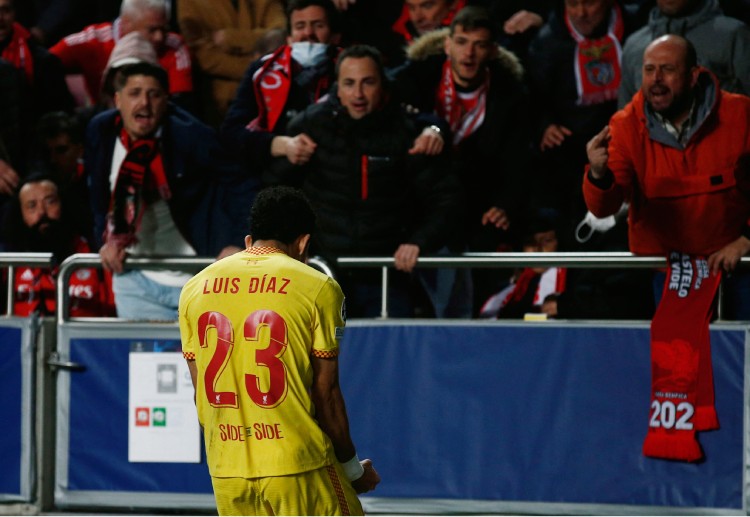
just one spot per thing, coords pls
(723, 43)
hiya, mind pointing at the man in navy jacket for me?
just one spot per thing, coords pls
(159, 185)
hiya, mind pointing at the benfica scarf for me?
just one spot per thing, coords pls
(18, 53)
(140, 180)
(450, 107)
(597, 61)
(682, 390)
(272, 82)
(404, 26)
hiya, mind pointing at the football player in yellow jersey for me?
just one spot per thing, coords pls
(260, 332)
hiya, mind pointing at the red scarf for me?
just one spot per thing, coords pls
(682, 396)
(449, 106)
(523, 282)
(272, 82)
(404, 26)
(597, 61)
(135, 187)
(18, 53)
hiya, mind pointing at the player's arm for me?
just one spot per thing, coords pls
(193, 375)
(331, 414)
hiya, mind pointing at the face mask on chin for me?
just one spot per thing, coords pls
(307, 53)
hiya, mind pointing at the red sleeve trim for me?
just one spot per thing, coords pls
(325, 354)
(190, 356)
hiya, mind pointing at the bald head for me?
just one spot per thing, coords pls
(677, 46)
(669, 75)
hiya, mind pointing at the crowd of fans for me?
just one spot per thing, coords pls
(416, 127)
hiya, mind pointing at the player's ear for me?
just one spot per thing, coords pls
(248, 241)
(301, 245)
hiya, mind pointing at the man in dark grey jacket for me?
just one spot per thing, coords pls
(723, 43)
(372, 195)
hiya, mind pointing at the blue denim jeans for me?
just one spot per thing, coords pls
(139, 298)
(450, 291)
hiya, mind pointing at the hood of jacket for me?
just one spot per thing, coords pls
(662, 24)
(707, 98)
(433, 44)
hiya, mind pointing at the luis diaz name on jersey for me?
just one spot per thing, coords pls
(253, 284)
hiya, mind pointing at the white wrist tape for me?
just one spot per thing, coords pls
(353, 468)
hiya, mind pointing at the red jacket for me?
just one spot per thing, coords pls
(691, 199)
(36, 288)
(87, 52)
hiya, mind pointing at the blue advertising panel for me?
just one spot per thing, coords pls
(17, 401)
(536, 413)
(100, 422)
(11, 400)
(541, 413)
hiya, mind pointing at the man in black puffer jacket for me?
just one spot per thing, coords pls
(477, 88)
(372, 196)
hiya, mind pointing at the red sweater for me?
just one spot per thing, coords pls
(692, 200)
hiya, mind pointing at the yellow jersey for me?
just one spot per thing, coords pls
(251, 322)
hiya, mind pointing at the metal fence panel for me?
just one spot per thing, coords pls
(17, 448)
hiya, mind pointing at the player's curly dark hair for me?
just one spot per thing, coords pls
(282, 214)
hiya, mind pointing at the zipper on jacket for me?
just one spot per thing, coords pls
(365, 180)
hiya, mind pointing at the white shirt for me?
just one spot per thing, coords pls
(158, 233)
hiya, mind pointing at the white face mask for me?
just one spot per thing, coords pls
(307, 53)
(591, 224)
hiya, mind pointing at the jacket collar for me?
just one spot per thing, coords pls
(433, 44)
(707, 100)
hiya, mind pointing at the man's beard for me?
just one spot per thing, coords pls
(681, 104)
(55, 238)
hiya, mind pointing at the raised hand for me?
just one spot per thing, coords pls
(598, 153)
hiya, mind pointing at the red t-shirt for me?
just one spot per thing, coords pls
(87, 52)
(90, 293)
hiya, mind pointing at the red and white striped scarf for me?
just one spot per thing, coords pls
(597, 61)
(450, 107)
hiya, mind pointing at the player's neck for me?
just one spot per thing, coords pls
(270, 243)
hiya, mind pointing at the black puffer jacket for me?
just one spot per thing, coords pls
(369, 194)
(492, 162)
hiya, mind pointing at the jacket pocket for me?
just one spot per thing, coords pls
(721, 178)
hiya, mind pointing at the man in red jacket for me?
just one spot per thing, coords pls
(678, 152)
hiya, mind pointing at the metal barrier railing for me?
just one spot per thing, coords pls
(598, 260)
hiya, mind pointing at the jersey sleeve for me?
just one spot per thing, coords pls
(178, 65)
(71, 51)
(330, 320)
(187, 333)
